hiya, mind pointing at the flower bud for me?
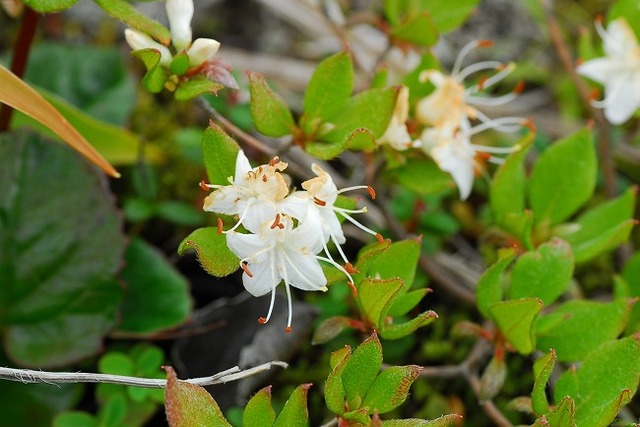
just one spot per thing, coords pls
(201, 50)
(138, 40)
(180, 13)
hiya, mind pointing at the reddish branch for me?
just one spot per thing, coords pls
(19, 60)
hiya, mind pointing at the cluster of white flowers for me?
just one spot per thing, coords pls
(447, 114)
(618, 71)
(179, 13)
(286, 230)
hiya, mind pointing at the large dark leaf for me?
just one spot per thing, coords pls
(60, 246)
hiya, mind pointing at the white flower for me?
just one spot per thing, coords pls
(451, 148)
(397, 134)
(179, 13)
(618, 71)
(452, 102)
(253, 193)
(279, 252)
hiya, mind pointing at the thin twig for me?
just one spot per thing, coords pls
(19, 60)
(488, 406)
(28, 376)
(564, 55)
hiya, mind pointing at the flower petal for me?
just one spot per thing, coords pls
(625, 98)
(201, 50)
(180, 13)
(265, 276)
(599, 70)
(303, 271)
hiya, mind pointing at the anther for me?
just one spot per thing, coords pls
(319, 202)
(351, 269)
(379, 237)
(264, 178)
(485, 43)
(262, 320)
(288, 329)
(529, 124)
(204, 186)
(252, 175)
(599, 18)
(219, 226)
(274, 161)
(246, 269)
(595, 93)
(276, 222)
(519, 87)
(501, 67)
(354, 291)
(372, 192)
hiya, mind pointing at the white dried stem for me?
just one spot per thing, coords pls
(28, 376)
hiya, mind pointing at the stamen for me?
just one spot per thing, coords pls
(259, 170)
(319, 202)
(372, 192)
(519, 87)
(204, 186)
(354, 290)
(344, 213)
(379, 237)
(276, 222)
(478, 66)
(336, 265)
(245, 268)
(264, 178)
(220, 226)
(466, 49)
(481, 83)
(595, 94)
(351, 269)
(274, 161)
(252, 175)
(288, 291)
(502, 124)
(263, 320)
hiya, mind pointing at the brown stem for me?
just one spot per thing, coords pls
(564, 55)
(19, 60)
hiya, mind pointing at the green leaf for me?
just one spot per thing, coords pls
(48, 6)
(490, 288)
(390, 388)
(521, 227)
(212, 251)
(34, 405)
(400, 260)
(448, 16)
(371, 109)
(180, 213)
(124, 11)
(156, 295)
(156, 76)
(219, 151)
(334, 392)
(516, 320)
(195, 87)
(75, 419)
(116, 363)
(331, 328)
(563, 415)
(361, 139)
(606, 381)
(631, 275)
(60, 247)
(492, 378)
(577, 327)
(376, 296)
(325, 150)
(295, 412)
(113, 412)
(189, 404)
(259, 412)
(542, 369)
(544, 273)
(421, 175)
(362, 368)
(329, 88)
(507, 188)
(270, 113)
(179, 64)
(418, 89)
(563, 178)
(396, 331)
(404, 303)
(603, 228)
(419, 30)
